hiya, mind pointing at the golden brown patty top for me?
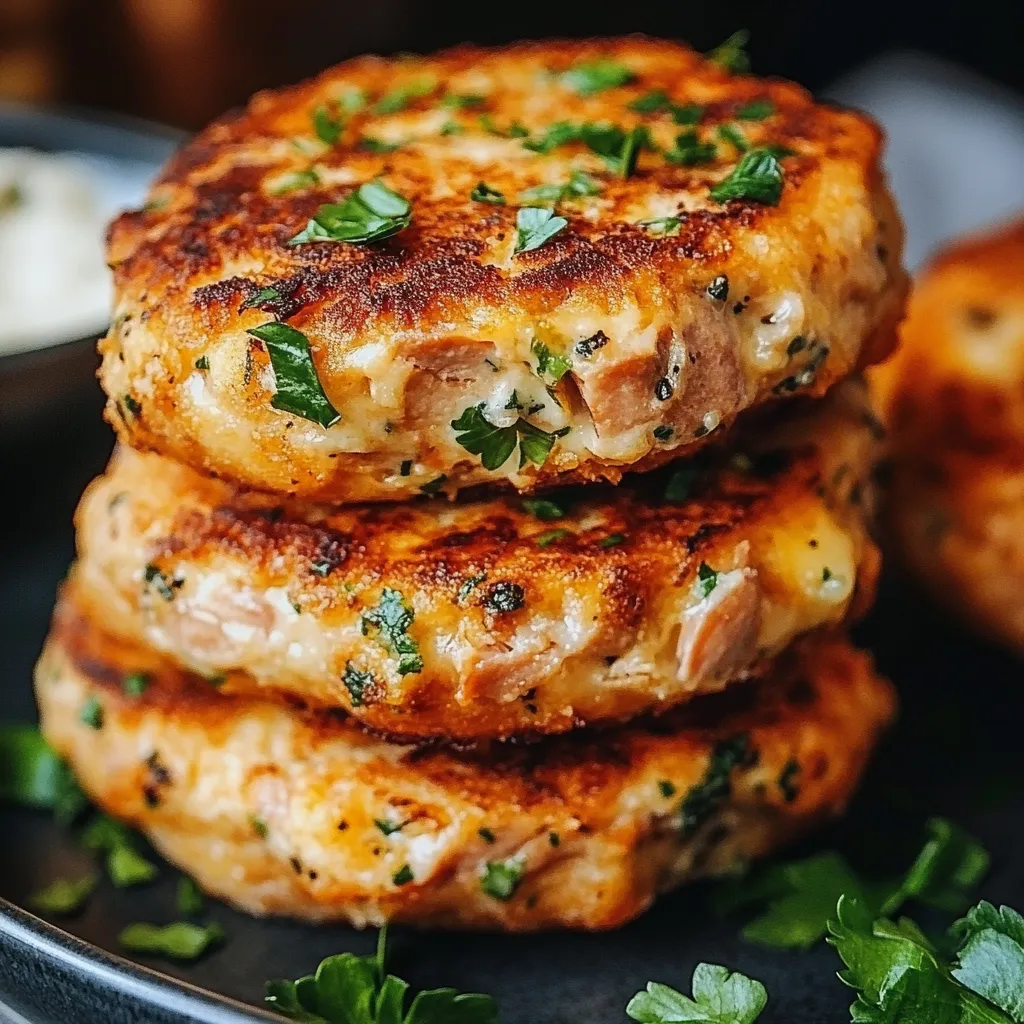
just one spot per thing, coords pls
(640, 314)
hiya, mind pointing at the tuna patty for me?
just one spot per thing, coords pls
(497, 617)
(691, 243)
(285, 811)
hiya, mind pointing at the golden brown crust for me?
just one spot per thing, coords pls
(521, 624)
(275, 810)
(409, 332)
(953, 397)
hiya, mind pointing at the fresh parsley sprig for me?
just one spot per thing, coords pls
(593, 76)
(347, 989)
(33, 774)
(390, 621)
(536, 225)
(720, 996)
(732, 54)
(757, 177)
(370, 213)
(495, 444)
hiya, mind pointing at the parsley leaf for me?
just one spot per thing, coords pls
(544, 509)
(127, 867)
(755, 110)
(680, 484)
(707, 579)
(617, 148)
(92, 713)
(391, 619)
(758, 177)
(350, 989)
(731, 134)
(465, 101)
(327, 126)
(135, 684)
(991, 959)
(501, 878)
(398, 99)
(305, 178)
(63, 896)
(32, 774)
(579, 184)
(514, 131)
(732, 54)
(535, 226)
(651, 102)
(703, 799)
(664, 226)
(299, 390)
(589, 77)
(549, 537)
(374, 144)
(188, 898)
(368, 214)
(182, 940)
(495, 444)
(720, 996)
(483, 193)
(690, 151)
(550, 365)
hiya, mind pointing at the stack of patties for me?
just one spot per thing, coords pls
(373, 616)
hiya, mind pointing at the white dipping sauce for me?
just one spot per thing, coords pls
(54, 283)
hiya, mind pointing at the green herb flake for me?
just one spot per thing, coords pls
(613, 540)
(663, 226)
(707, 579)
(371, 213)
(188, 898)
(680, 484)
(326, 126)
(32, 774)
(651, 102)
(590, 77)
(483, 193)
(403, 876)
(463, 101)
(433, 487)
(757, 177)
(688, 113)
(259, 826)
(374, 144)
(535, 226)
(485, 834)
(552, 366)
(259, 298)
(663, 433)
(157, 579)
(549, 537)
(619, 150)
(64, 896)
(756, 110)
(390, 620)
(730, 133)
(182, 940)
(501, 878)
(306, 178)
(92, 713)
(132, 405)
(666, 788)
(720, 996)
(386, 827)
(202, 363)
(469, 585)
(543, 509)
(495, 444)
(398, 99)
(135, 684)
(715, 787)
(349, 989)
(127, 867)
(718, 289)
(451, 128)
(690, 151)
(299, 390)
(732, 54)
(514, 131)
(356, 683)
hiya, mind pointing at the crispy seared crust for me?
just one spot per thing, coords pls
(954, 399)
(602, 621)
(409, 332)
(274, 809)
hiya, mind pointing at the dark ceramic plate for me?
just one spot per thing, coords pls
(48, 389)
(956, 751)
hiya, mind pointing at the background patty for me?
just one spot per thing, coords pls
(954, 399)
(494, 617)
(301, 813)
(648, 322)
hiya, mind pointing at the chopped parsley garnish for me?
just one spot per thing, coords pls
(535, 226)
(182, 940)
(549, 537)
(350, 989)
(92, 713)
(550, 365)
(680, 484)
(546, 195)
(666, 788)
(589, 77)
(651, 102)
(501, 878)
(688, 113)
(485, 834)
(617, 148)
(514, 131)
(356, 683)
(398, 99)
(464, 101)
(327, 126)
(720, 996)
(731, 134)
(202, 363)
(663, 433)
(579, 184)
(370, 213)
(374, 144)
(33, 775)
(433, 487)
(483, 193)
(135, 684)
(495, 444)
(158, 580)
(127, 867)
(715, 787)
(690, 151)
(132, 405)
(561, 133)
(732, 54)
(299, 390)
(403, 876)
(258, 299)
(188, 899)
(469, 586)
(707, 579)
(757, 177)
(63, 896)
(543, 509)
(503, 597)
(756, 110)
(388, 828)
(613, 540)
(391, 620)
